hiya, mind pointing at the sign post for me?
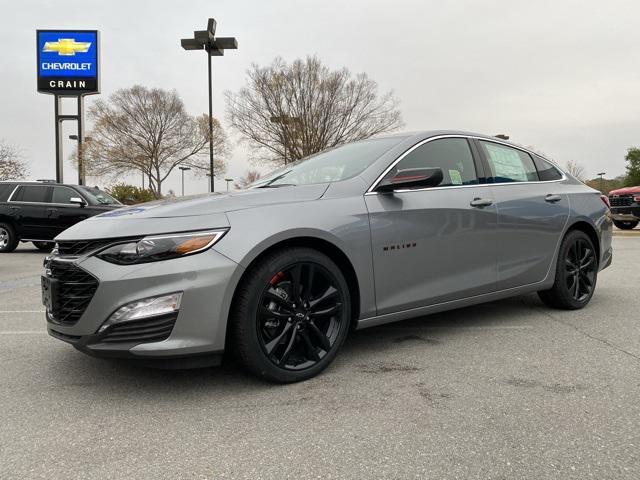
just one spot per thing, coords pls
(68, 66)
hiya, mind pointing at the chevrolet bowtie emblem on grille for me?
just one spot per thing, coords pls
(66, 47)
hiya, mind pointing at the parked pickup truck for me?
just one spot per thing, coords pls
(625, 207)
(38, 211)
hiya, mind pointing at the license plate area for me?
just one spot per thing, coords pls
(49, 292)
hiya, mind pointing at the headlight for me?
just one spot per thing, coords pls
(161, 247)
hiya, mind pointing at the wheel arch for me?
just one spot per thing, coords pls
(322, 245)
(590, 231)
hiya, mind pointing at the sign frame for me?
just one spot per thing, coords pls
(68, 92)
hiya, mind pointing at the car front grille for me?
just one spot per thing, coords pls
(144, 330)
(80, 247)
(621, 200)
(75, 289)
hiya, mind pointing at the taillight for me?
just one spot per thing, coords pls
(605, 199)
(636, 198)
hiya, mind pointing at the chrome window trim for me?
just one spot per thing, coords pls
(13, 192)
(371, 189)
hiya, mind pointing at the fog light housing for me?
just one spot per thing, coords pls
(144, 308)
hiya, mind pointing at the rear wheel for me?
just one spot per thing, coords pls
(8, 238)
(291, 315)
(44, 246)
(576, 273)
(625, 225)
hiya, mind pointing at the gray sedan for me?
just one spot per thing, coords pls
(371, 232)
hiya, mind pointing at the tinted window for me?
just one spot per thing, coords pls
(32, 193)
(546, 171)
(5, 191)
(63, 195)
(99, 196)
(509, 164)
(452, 155)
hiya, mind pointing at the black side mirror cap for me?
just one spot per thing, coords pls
(412, 178)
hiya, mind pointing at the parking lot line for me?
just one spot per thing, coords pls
(21, 311)
(24, 332)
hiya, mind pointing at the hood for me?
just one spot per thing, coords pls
(625, 191)
(185, 213)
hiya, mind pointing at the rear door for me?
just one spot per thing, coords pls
(532, 214)
(29, 206)
(432, 245)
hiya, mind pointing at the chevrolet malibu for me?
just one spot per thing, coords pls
(368, 233)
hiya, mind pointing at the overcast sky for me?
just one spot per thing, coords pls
(563, 76)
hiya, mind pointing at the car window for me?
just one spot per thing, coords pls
(100, 197)
(546, 171)
(508, 164)
(452, 155)
(5, 191)
(32, 193)
(333, 165)
(63, 195)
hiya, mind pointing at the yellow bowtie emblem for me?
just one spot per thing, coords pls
(66, 46)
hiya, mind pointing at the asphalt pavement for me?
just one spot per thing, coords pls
(505, 390)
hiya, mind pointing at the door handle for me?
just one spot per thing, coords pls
(52, 210)
(481, 202)
(551, 198)
(14, 208)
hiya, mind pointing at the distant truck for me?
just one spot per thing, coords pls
(625, 207)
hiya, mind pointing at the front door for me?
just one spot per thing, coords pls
(438, 244)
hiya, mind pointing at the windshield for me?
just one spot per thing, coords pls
(332, 165)
(99, 196)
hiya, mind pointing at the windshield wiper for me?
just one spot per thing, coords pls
(277, 185)
(275, 179)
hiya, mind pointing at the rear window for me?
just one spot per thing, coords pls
(5, 191)
(546, 171)
(32, 193)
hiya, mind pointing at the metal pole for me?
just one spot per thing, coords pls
(80, 140)
(182, 170)
(210, 121)
(58, 126)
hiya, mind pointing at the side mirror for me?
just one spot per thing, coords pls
(77, 201)
(412, 178)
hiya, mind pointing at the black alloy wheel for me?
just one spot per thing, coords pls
(299, 316)
(290, 316)
(576, 273)
(580, 270)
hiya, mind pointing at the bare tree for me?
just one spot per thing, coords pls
(149, 131)
(287, 112)
(249, 177)
(12, 167)
(575, 169)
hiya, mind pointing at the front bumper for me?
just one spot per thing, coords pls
(199, 327)
(628, 214)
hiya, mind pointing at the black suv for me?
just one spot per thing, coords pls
(38, 211)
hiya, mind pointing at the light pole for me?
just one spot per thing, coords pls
(81, 179)
(228, 180)
(601, 175)
(183, 170)
(214, 46)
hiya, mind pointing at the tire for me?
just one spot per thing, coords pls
(44, 246)
(625, 225)
(576, 273)
(286, 337)
(8, 238)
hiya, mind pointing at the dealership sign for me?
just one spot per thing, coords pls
(68, 61)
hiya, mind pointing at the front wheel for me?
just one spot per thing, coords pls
(291, 315)
(625, 225)
(576, 273)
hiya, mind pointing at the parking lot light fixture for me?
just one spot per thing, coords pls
(214, 46)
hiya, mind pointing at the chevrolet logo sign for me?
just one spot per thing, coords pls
(66, 47)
